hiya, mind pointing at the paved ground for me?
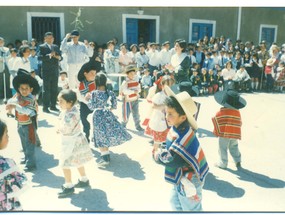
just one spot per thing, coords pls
(133, 182)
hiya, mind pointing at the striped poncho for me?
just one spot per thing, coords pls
(227, 123)
(187, 146)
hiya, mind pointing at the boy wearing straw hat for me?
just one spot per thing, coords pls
(130, 90)
(227, 126)
(185, 164)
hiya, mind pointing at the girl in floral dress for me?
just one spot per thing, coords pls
(75, 151)
(12, 181)
(157, 127)
(107, 130)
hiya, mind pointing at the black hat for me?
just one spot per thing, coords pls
(87, 67)
(230, 99)
(75, 33)
(24, 77)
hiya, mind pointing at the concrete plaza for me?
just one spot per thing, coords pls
(134, 182)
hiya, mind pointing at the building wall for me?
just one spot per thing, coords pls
(174, 21)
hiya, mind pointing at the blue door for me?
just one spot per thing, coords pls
(268, 34)
(199, 30)
(132, 31)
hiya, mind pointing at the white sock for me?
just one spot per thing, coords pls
(68, 185)
(84, 178)
(105, 153)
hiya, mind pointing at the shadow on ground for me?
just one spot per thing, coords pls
(222, 188)
(257, 178)
(91, 200)
(122, 166)
(42, 176)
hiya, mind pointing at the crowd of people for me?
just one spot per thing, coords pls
(83, 72)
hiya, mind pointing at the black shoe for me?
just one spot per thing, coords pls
(30, 168)
(65, 192)
(46, 110)
(10, 115)
(54, 109)
(104, 161)
(81, 184)
(238, 165)
(139, 128)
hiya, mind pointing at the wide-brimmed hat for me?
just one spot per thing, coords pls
(187, 104)
(87, 67)
(230, 99)
(24, 77)
(130, 68)
(270, 62)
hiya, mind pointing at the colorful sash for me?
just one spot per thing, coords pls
(227, 123)
(187, 146)
(85, 87)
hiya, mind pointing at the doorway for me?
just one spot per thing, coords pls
(40, 23)
(140, 29)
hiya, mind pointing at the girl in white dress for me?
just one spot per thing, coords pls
(75, 151)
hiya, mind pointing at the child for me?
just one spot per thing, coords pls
(196, 82)
(280, 76)
(34, 62)
(26, 114)
(75, 151)
(185, 163)
(11, 180)
(157, 127)
(107, 130)
(204, 81)
(130, 90)
(86, 77)
(62, 81)
(227, 126)
(146, 82)
(40, 82)
(213, 86)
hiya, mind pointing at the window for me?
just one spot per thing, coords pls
(268, 33)
(199, 28)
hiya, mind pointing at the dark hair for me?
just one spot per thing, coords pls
(48, 34)
(172, 102)
(101, 79)
(68, 95)
(3, 127)
(182, 44)
(23, 49)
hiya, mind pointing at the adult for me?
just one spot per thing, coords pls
(154, 58)
(4, 54)
(50, 55)
(180, 62)
(77, 54)
(165, 54)
(141, 57)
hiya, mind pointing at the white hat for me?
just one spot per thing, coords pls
(187, 104)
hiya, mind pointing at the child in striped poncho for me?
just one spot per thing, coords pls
(227, 126)
(185, 164)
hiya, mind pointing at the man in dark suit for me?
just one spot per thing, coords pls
(50, 55)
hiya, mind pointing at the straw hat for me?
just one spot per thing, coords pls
(230, 99)
(187, 104)
(270, 61)
(130, 68)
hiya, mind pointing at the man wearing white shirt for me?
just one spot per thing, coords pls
(165, 54)
(77, 54)
(154, 58)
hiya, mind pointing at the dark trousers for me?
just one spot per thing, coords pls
(84, 112)
(269, 82)
(50, 90)
(27, 145)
